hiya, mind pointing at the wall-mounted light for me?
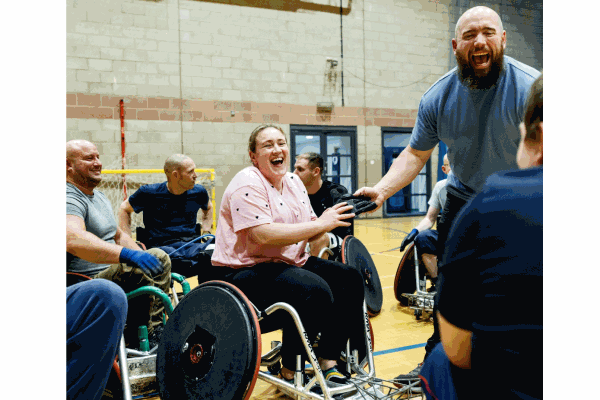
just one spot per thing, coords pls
(325, 107)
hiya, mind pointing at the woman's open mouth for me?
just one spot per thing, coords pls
(277, 161)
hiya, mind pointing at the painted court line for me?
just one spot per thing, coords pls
(398, 349)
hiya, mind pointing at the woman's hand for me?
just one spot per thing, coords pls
(335, 216)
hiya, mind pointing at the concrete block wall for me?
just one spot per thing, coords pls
(197, 76)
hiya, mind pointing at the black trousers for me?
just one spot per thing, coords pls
(327, 295)
(456, 199)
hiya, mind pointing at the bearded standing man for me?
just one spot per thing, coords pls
(475, 109)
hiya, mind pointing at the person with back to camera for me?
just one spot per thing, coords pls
(171, 211)
(424, 237)
(96, 313)
(265, 221)
(323, 194)
(475, 109)
(489, 348)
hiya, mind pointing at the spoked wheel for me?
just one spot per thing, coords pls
(404, 281)
(355, 254)
(211, 347)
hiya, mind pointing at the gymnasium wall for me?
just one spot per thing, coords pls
(197, 76)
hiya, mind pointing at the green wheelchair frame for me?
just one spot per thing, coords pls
(139, 371)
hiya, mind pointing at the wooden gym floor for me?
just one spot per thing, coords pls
(395, 328)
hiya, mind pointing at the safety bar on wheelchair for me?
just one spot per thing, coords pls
(307, 346)
(325, 250)
(124, 369)
(151, 290)
(327, 392)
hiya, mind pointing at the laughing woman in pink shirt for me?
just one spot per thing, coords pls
(264, 224)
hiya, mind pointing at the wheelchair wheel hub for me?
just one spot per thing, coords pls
(196, 353)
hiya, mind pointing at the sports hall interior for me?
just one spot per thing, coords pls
(341, 77)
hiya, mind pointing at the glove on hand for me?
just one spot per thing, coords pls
(144, 261)
(409, 239)
(360, 204)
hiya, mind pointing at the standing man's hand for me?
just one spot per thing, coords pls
(373, 194)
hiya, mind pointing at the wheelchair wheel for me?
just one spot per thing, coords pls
(210, 347)
(355, 254)
(404, 282)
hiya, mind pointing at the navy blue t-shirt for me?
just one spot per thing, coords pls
(168, 216)
(491, 283)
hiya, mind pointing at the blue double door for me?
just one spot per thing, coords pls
(412, 199)
(336, 144)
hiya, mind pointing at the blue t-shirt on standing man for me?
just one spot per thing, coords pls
(480, 127)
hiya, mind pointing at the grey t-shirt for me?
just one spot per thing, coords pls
(480, 127)
(96, 212)
(438, 195)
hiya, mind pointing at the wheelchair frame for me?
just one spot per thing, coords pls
(139, 369)
(421, 301)
(362, 385)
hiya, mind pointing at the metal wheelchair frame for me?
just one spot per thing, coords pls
(363, 385)
(421, 301)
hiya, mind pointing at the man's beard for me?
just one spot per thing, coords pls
(87, 180)
(468, 77)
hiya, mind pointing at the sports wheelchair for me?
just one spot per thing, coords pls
(211, 348)
(410, 284)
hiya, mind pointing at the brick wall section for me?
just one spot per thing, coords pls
(81, 105)
(266, 64)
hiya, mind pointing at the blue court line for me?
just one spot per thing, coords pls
(397, 349)
(375, 353)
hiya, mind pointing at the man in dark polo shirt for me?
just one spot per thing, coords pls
(322, 194)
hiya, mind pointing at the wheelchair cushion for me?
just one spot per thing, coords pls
(355, 254)
(211, 346)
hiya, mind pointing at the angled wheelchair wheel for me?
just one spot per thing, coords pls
(211, 347)
(355, 254)
(405, 281)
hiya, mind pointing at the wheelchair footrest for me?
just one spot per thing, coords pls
(420, 301)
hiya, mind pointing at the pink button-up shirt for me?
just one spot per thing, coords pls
(250, 200)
